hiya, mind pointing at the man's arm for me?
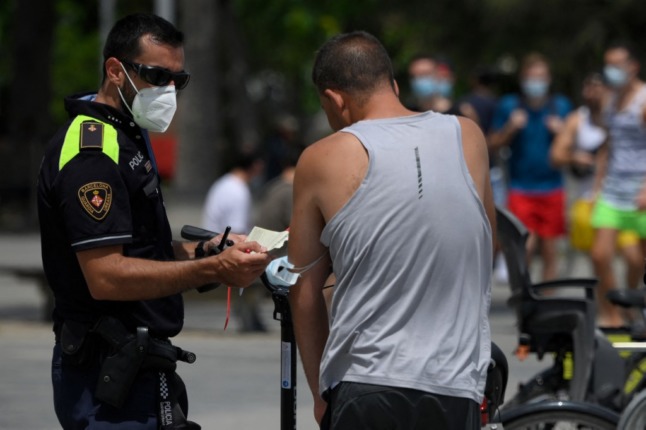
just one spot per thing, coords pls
(503, 137)
(306, 297)
(476, 156)
(112, 276)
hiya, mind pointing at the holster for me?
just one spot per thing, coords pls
(129, 354)
(120, 368)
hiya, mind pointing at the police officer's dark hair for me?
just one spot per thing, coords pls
(123, 41)
(356, 63)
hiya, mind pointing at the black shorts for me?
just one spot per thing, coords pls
(356, 406)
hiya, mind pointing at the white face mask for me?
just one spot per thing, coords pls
(152, 108)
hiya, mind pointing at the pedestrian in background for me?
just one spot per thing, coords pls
(527, 123)
(576, 148)
(229, 203)
(622, 202)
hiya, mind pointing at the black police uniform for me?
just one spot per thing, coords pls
(98, 186)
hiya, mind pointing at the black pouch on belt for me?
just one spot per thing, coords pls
(77, 343)
(120, 368)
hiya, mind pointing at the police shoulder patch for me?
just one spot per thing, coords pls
(91, 135)
(96, 199)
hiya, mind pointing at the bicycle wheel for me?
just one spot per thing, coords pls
(559, 416)
(634, 415)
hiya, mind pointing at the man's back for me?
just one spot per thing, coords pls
(361, 194)
(395, 282)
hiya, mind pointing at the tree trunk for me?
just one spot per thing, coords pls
(243, 113)
(200, 140)
(28, 119)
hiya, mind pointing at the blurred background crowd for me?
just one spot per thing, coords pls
(518, 68)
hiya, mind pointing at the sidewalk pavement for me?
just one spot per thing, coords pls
(235, 382)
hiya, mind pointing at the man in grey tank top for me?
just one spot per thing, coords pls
(399, 205)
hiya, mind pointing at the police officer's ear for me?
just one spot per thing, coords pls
(114, 72)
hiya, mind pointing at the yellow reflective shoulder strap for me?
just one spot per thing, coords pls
(86, 132)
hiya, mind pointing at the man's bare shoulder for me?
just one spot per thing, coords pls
(472, 136)
(330, 149)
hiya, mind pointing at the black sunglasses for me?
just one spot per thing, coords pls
(158, 76)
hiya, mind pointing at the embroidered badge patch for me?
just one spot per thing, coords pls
(96, 199)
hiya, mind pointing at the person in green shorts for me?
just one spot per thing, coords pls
(621, 204)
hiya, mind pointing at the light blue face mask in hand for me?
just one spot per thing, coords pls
(281, 272)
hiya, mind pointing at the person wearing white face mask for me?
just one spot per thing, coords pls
(621, 185)
(107, 248)
(527, 123)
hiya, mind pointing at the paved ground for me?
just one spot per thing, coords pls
(233, 384)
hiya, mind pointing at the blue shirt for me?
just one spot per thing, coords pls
(529, 164)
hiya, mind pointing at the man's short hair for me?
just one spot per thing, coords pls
(355, 62)
(123, 41)
(533, 59)
(627, 46)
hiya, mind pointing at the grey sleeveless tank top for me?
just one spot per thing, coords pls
(626, 169)
(412, 252)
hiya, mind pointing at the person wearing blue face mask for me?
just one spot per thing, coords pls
(423, 84)
(527, 123)
(431, 82)
(621, 202)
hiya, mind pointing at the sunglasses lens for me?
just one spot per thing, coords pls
(155, 76)
(160, 77)
(181, 80)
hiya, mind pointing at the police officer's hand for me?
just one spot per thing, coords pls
(239, 265)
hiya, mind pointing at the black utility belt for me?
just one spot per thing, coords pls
(121, 354)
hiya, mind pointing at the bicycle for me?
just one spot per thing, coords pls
(634, 415)
(586, 367)
(559, 415)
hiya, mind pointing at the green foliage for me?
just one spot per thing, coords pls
(283, 35)
(76, 53)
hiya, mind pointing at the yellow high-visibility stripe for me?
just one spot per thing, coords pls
(71, 145)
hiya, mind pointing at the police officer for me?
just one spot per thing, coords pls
(116, 274)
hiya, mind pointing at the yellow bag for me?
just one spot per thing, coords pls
(581, 231)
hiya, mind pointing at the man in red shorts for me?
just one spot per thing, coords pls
(527, 123)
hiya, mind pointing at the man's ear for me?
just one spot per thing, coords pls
(114, 71)
(335, 98)
(396, 87)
